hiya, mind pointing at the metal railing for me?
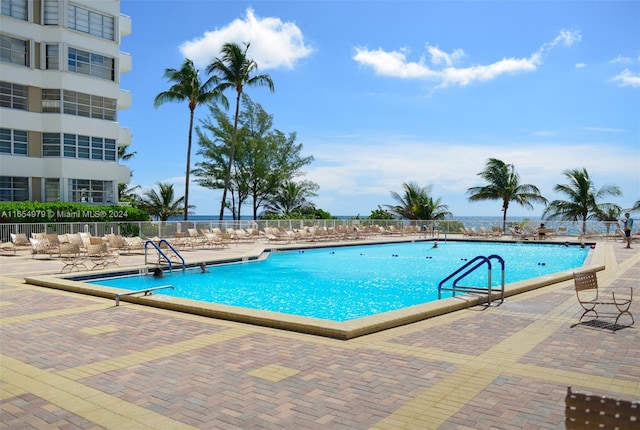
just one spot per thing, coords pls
(146, 291)
(167, 229)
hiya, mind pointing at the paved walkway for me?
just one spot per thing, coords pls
(77, 362)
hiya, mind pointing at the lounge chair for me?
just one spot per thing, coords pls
(20, 240)
(589, 297)
(8, 247)
(587, 411)
(497, 231)
(216, 241)
(619, 234)
(518, 233)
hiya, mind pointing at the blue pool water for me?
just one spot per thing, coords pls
(350, 282)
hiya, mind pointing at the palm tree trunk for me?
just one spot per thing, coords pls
(186, 184)
(232, 151)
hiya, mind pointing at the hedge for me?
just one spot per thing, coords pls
(34, 212)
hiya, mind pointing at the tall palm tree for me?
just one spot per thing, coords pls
(188, 86)
(503, 183)
(163, 203)
(582, 199)
(235, 70)
(417, 204)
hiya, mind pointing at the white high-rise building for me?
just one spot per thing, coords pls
(60, 66)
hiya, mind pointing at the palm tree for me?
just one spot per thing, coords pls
(582, 199)
(235, 70)
(292, 197)
(162, 204)
(126, 194)
(636, 206)
(188, 86)
(417, 203)
(503, 183)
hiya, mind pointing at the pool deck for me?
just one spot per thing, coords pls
(75, 361)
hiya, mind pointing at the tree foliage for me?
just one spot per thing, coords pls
(583, 200)
(503, 183)
(265, 157)
(416, 203)
(162, 203)
(381, 213)
(292, 198)
(235, 70)
(187, 86)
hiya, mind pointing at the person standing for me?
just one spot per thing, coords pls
(628, 225)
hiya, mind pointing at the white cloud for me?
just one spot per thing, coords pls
(439, 57)
(621, 60)
(580, 65)
(274, 43)
(604, 129)
(371, 166)
(395, 63)
(626, 78)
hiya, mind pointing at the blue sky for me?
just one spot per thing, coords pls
(386, 92)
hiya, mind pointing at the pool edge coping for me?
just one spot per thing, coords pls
(337, 330)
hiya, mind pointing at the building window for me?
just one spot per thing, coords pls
(91, 22)
(88, 63)
(14, 51)
(51, 12)
(69, 146)
(50, 144)
(52, 190)
(13, 142)
(84, 144)
(50, 100)
(52, 60)
(110, 150)
(13, 95)
(82, 147)
(14, 189)
(90, 191)
(15, 8)
(79, 104)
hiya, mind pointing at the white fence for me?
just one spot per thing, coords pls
(170, 228)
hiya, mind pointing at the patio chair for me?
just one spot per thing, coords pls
(588, 293)
(39, 246)
(586, 411)
(71, 257)
(101, 257)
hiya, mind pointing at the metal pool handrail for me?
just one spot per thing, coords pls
(479, 261)
(146, 292)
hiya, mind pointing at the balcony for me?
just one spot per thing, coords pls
(125, 25)
(125, 62)
(124, 136)
(124, 99)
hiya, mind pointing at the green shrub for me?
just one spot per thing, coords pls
(52, 212)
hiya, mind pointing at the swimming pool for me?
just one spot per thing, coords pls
(346, 283)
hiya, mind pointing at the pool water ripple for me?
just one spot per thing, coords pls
(345, 283)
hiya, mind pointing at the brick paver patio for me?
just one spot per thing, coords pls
(78, 362)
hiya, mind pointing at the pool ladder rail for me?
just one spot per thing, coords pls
(162, 254)
(470, 267)
(146, 291)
